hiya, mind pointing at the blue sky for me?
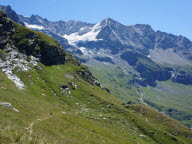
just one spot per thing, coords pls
(172, 16)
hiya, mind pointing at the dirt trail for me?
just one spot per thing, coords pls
(30, 128)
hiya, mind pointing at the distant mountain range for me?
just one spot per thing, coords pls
(110, 34)
(140, 56)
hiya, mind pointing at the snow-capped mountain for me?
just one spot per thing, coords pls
(113, 36)
(116, 37)
(59, 27)
(54, 29)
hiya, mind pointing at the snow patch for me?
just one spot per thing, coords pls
(89, 36)
(39, 20)
(34, 26)
(85, 51)
(82, 28)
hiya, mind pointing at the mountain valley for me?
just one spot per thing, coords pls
(48, 96)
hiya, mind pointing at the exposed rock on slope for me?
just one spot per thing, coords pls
(29, 42)
(21, 48)
(183, 77)
(104, 59)
(149, 70)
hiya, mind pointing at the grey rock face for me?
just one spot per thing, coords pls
(11, 14)
(149, 70)
(9, 105)
(104, 59)
(183, 77)
(51, 55)
(6, 30)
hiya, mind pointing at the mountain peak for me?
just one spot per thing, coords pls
(11, 13)
(36, 17)
(8, 7)
(109, 21)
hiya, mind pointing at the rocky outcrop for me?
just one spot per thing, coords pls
(131, 57)
(150, 74)
(183, 77)
(8, 105)
(51, 55)
(6, 30)
(87, 75)
(149, 71)
(29, 42)
(137, 83)
(11, 14)
(104, 59)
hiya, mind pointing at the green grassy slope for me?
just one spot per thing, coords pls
(114, 79)
(87, 115)
(171, 98)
